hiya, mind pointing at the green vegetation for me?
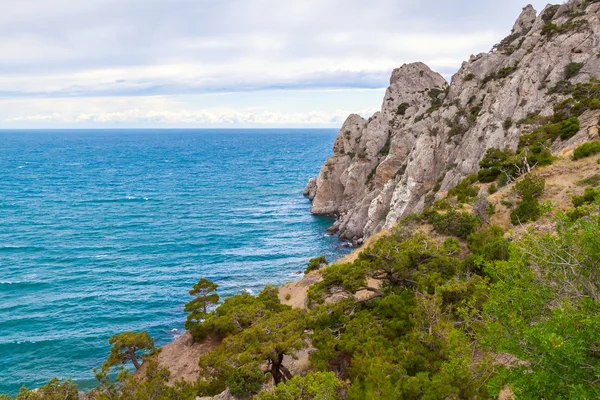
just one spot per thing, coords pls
(205, 296)
(315, 385)
(246, 381)
(586, 149)
(509, 165)
(569, 128)
(385, 150)
(316, 263)
(588, 197)
(53, 390)
(469, 77)
(501, 73)
(529, 189)
(572, 69)
(402, 108)
(459, 224)
(465, 191)
(126, 347)
(543, 308)
(436, 99)
(446, 309)
(593, 180)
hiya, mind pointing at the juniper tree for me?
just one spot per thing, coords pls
(127, 347)
(205, 296)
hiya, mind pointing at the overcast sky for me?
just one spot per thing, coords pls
(225, 63)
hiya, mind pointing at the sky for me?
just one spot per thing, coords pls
(225, 63)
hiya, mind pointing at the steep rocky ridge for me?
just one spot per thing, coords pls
(429, 134)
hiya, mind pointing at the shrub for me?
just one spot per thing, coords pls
(489, 243)
(316, 263)
(569, 128)
(588, 197)
(492, 189)
(385, 150)
(487, 175)
(592, 180)
(465, 192)
(372, 174)
(402, 108)
(530, 186)
(528, 210)
(459, 224)
(313, 386)
(246, 381)
(550, 29)
(572, 69)
(288, 296)
(469, 77)
(586, 149)
(505, 71)
(508, 122)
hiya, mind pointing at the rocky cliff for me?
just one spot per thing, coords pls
(429, 134)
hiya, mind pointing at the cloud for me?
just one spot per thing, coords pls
(184, 118)
(60, 49)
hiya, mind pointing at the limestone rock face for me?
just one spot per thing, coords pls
(311, 189)
(429, 135)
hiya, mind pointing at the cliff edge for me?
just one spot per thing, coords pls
(429, 135)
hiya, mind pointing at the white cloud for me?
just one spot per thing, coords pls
(150, 57)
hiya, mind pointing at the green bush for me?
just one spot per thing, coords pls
(469, 77)
(588, 197)
(572, 69)
(492, 189)
(465, 192)
(489, 243)
(246, 381)
(313, 386)
(508, 122)
(459, 224)
(569, 128)
(402, 108)
(530, 186)
(586, 149)
(528, 210)
(385, 150)
(316, 263)
(550, 29)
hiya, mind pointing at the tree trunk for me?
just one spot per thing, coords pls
(279, 372)
(131, 355)
(136, 364)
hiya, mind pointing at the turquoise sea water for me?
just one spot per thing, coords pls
(105, 231)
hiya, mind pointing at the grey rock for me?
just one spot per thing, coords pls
(311, 189)
(385, 168)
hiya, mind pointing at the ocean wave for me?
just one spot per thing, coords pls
(21, 248)
(128, 199)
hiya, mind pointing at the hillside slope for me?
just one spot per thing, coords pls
(429, 134)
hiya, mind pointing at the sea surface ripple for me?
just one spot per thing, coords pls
(105, 231)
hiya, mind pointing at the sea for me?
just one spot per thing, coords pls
(105, 231)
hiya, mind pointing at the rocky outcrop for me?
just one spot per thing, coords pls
(429, 134)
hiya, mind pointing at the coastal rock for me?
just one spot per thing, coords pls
(429, 135)
(311, 189)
